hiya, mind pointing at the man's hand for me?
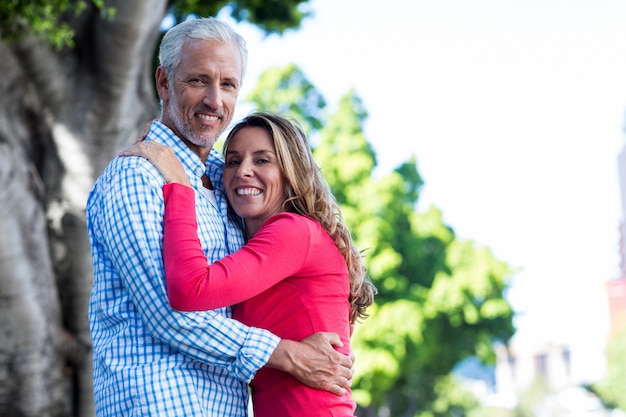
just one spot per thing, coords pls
(315, 362)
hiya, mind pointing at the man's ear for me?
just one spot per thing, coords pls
(162, 84)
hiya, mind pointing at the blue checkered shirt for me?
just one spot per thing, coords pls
(148, 359)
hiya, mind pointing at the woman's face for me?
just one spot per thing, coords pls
(253, 179)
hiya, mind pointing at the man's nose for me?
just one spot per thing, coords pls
(213, 97)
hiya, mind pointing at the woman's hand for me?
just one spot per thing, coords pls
(162, 157)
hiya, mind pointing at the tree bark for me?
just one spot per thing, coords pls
(63, 116)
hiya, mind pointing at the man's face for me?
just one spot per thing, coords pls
(199, 103)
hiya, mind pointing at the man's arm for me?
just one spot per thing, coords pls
(128, 222)
(315, 362)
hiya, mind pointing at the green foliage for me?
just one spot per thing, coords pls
(533, 398)
(491, 412)
(612, 387)
(469, 299)
(288, 91)
(452, 399)
(273, 16)
(276, 15)
(381, 346)
(440, 299)
(412, 179)
(45, 19)
(342, 136)
(180, 9)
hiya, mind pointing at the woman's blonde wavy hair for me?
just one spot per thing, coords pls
(308, 194)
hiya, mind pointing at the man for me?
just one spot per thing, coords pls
(149, 359)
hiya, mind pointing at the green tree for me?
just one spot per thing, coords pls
(292, 94)
(77, 86)
(440, 299)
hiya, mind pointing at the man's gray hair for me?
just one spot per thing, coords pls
(207, 28)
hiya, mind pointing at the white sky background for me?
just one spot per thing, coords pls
(514, 110)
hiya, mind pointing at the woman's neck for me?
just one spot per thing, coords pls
(250, 228)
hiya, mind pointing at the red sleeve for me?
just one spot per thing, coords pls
(276, 252)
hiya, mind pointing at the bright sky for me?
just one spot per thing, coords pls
(514, 110)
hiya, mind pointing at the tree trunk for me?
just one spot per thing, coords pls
(63, 116)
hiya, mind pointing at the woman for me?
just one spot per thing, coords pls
(299, 272)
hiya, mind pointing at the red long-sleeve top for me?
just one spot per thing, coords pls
(290, 278)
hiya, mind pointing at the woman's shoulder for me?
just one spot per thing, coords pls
(289, 219)
(297, 223)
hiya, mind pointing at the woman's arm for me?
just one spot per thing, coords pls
(276, 252)
(192, 284)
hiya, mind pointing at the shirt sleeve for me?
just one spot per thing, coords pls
(131, 229)
(278, 250)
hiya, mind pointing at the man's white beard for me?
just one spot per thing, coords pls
(175, 113)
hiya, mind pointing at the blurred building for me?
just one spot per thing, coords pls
(547, 369)
(621, 169)
(518, 370)
(616, 288)
(616, 293)
(515, 371)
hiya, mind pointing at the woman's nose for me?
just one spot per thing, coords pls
(245, 169)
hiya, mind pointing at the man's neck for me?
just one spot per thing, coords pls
(206, 182)
(202, 151)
